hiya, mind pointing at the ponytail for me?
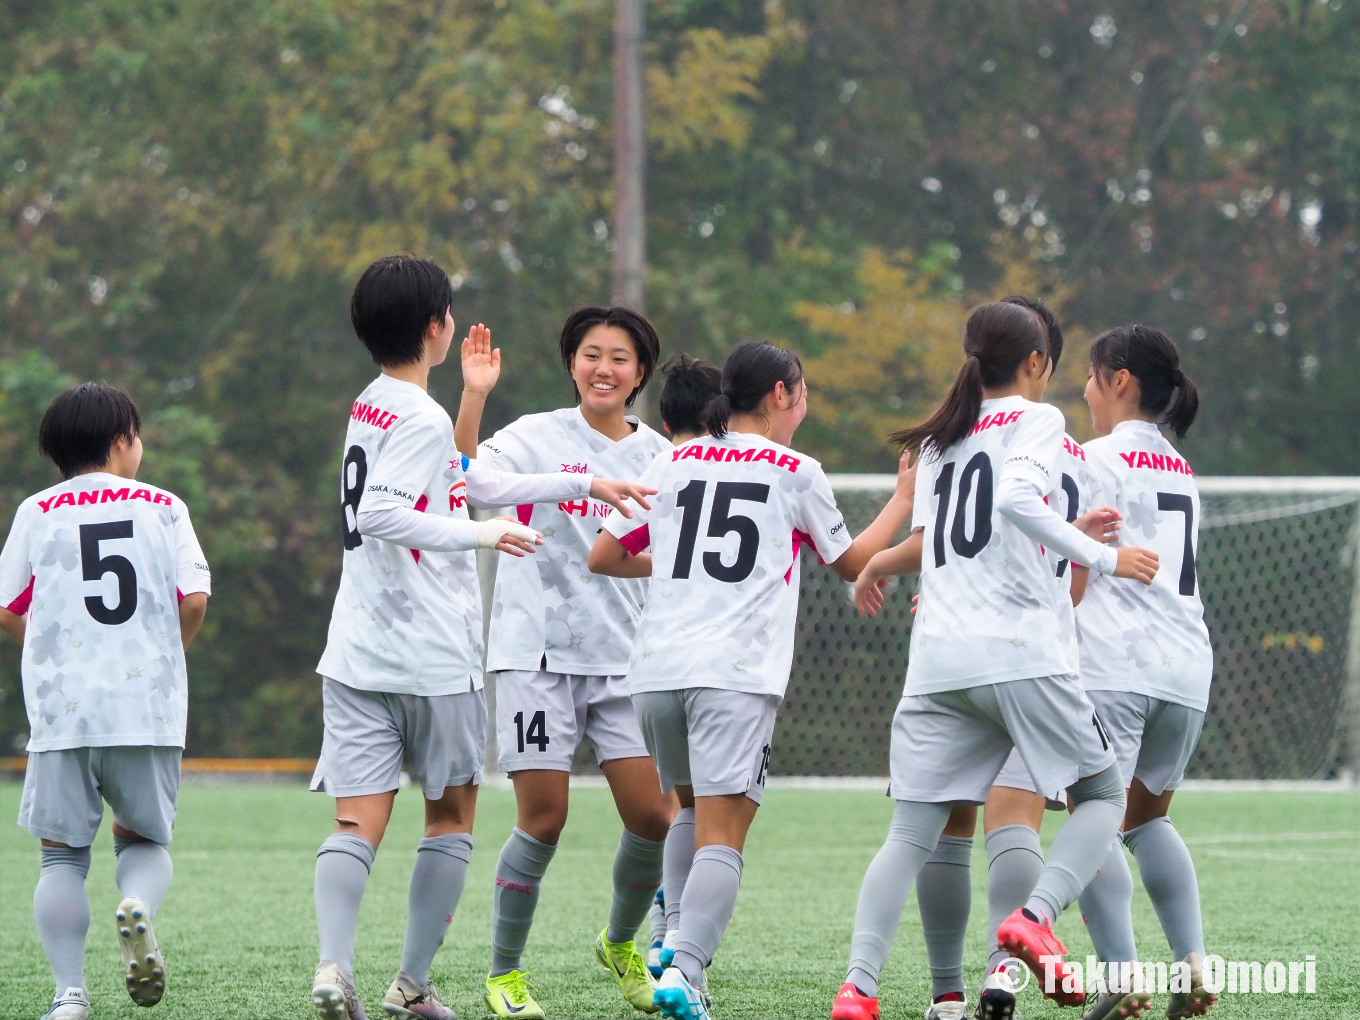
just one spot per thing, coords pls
(750, 372)
(996, 341)
(1164, 390)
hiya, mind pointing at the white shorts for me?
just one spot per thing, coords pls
(65, 791)
(1014, 776)
(1153, 739)
(541, 717)
(716, 741)
(369, 734)
(951, 746)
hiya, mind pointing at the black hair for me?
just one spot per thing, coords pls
(635, 324)
(1151, 357)
(997, 339)
(393, 304)
(749, 373)
(1055, 336)
(690, 384)
(80, 426)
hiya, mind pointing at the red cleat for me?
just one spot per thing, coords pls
(1029, 941)
(850, 1005)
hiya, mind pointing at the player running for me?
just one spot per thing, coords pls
(712, 655)
(989, 670)
(1146, 660)
(402, 669)
(559, 644)
(105, 586)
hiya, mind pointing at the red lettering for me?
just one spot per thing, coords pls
(988, 421)
(600, 509)
(161, 497)
(745, 455)
(696, 452)
(390, 419)
(113, 495)
(65, 499)
(370, 416)
(1127, 458)
(354, 411)
(1159, 462)
(46, 503)
(1013, 417)
(1144, 460)
(87, 497)
(789, 462)
(766, 454)
(713, 453)
(142, 494)
(575, 506)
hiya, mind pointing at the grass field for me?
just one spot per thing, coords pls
(1279, 874)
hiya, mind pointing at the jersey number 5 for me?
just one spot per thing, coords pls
(977, 471)
(93, 567)
(721, 523)
(353, 474)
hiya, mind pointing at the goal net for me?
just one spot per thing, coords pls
(1277, 566)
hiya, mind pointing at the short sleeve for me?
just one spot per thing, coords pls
(633, 533)
(819, 521)
(414, 451)
(1036, 447)
(16, 566)
(191, 567)
(927, 470)
(1105, 484)
(510, 450)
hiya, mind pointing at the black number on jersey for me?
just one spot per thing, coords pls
(93, 567)
(1069, 486)
(353, 474)
(721, 523)
(1095, 721)
(536, 734)
(977, 472)
(1178, 502)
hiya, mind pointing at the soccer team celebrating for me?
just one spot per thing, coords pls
(646, 599)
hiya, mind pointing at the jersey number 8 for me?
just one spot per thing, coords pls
(353, 474)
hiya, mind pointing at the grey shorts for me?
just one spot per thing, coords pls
(716, 741)
(369, 735)
(1014, 776)
(541, 717)
(65, 791)
(1153, 739)
(951, 746)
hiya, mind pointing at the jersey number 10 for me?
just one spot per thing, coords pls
(977, 472)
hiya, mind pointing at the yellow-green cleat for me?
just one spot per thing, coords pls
(629, 967)
(511, 996)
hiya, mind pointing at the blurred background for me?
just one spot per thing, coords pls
(189, 190)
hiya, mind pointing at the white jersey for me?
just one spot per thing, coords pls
(1148, 639)
(990, 608)
(407, 621)
(549, 606)
(1076, 493)
(725, 529)
(100, 563)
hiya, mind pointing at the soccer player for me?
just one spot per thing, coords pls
(1146, 659)
(402, 669)
(105, 586)
(559, 644)
(989, 669)
(712, 655)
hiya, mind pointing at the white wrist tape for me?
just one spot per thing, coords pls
(492, 531)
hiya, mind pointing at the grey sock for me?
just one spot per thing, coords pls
(1169, 878)
(656, 919)
(436, 883)
(710, 896)
(637, 875)
(1082, 844)
(342, 866)
(944, 894)
(144, 870)
(519, 873)
(1107, 908)
(63, 912)
(678, 860)
(1015, 859)
(915, 830)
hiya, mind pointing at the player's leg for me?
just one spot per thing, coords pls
(944, 895)
(61, 806)
(676, 865)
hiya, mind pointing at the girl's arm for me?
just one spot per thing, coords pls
(13, 624)
(878, 535)
(192, 610)
(903, 558)
(608, 556)
(481, 370)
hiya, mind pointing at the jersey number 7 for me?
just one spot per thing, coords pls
(1179, 502)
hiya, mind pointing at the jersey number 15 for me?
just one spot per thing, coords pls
(721, 523)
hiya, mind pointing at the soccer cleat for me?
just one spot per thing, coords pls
(850, 1004)
(949, 1009)
(143, 965)
(407, 1000)
(654, 959)
(334, 994)
(996, 1000)
(1030, 941)
(1195, 1002)
(1116, 1005)
(667, 955)
(73, 1005)
(627, 965)
(678, 999)
(511, 995)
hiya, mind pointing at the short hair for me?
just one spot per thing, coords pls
(690, 384)
(80, 426)
(635, 324)
(394, 302)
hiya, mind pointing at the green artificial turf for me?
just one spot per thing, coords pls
(1279, 874)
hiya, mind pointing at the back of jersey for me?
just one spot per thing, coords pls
(1148, 639)
(100, 563)
(725, 529)
(989, 605)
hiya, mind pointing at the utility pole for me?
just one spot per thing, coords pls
(628, 285)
